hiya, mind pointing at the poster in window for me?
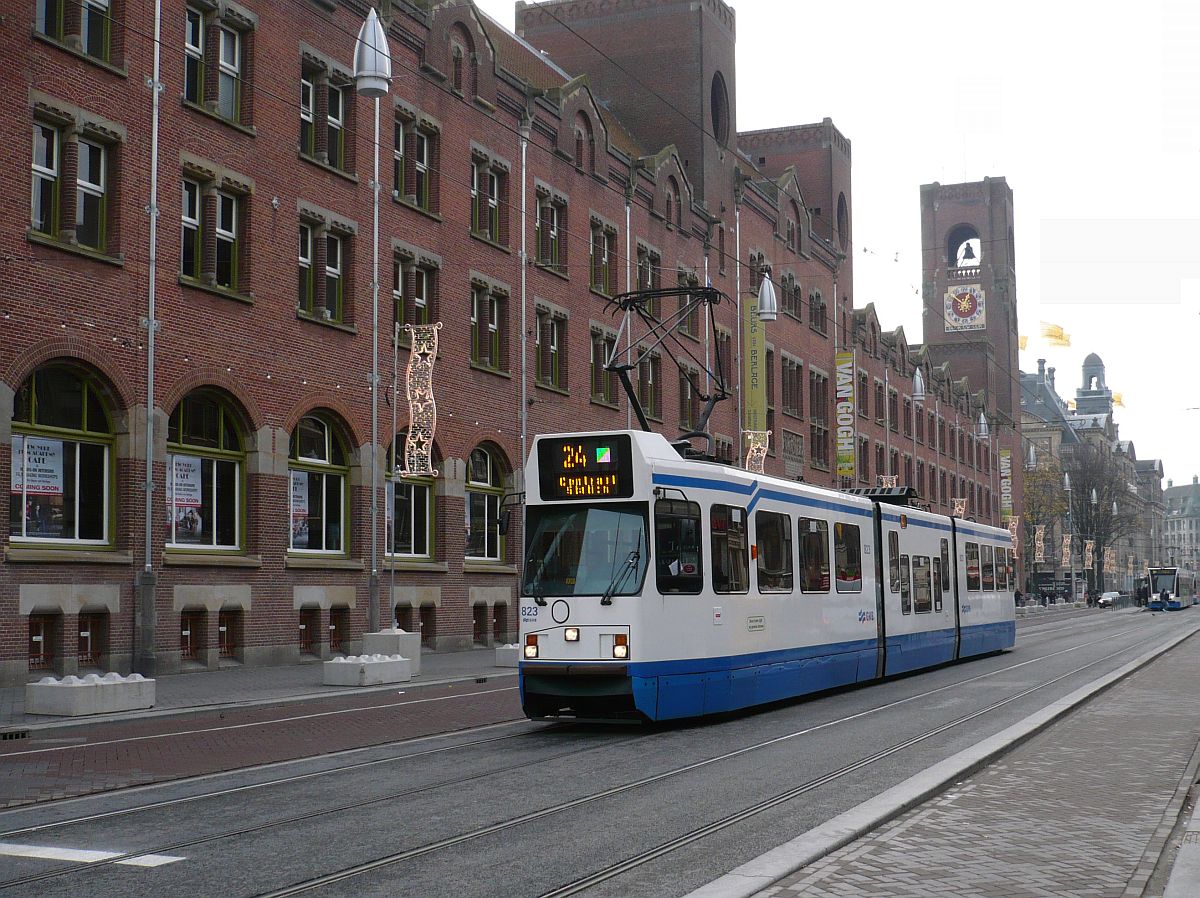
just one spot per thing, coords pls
(299, 510)
(37, 471)
(187, 498)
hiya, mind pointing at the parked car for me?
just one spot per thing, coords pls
(1107, 599)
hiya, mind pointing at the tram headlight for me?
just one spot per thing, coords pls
(571, 634)
(531, 646)
(620, 646)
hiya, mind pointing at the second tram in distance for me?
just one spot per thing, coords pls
(1180, 586)
(657, 587)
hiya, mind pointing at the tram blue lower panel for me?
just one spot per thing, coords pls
(672, 689)
(1174, 605)
(913, 651)
(983, 638)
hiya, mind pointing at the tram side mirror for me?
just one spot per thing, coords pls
(502, 524)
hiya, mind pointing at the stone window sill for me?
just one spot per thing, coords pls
(248, 130)
(38, 555)
(403, 564)
(87, 252)
(407, 204)
(486, 369)
(488, 567)
(490, 242)
(325, 322)
(175, 557)
(332, 169)
(318, 562)
(223, 292)
(118, 70)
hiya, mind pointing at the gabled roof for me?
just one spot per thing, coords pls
(516, 56)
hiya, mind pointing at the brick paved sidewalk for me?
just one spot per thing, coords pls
(1082, 810)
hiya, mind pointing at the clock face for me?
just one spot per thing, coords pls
(964, 308)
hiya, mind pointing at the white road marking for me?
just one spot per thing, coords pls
(84, 855)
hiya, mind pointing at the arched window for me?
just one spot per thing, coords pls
(410, 509)
(674, 203)
(456, 79)
(62, 473)
(485, 489)
(205, 469)
(320, 503)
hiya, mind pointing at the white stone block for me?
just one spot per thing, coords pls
(395, 642)
(367, 670)
(94, 694)
(507, 655)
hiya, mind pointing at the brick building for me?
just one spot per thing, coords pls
(521, 190)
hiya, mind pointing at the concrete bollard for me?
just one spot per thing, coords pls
(395, 641)
(507, 655)
(367, 670)
(93, 694)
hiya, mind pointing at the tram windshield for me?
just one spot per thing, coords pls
(1160, 580)
(581, 550)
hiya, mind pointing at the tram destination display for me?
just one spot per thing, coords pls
(585, 467)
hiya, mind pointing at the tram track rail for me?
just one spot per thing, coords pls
(481, 832)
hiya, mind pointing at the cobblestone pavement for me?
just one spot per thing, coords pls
(1082, 810)
(68, 761)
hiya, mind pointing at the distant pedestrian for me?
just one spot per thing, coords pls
(1017, 597)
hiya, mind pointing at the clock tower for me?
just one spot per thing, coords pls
(969, 289)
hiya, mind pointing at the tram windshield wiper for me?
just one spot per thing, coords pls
(535, 585)
(621, 576)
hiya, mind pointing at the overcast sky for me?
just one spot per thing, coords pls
(1089, 108)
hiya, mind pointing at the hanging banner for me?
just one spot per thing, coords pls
(1066, 551)
(1039, 544)
(1006, 503)
(186, 498)
(1129, 565)
(300, 510)
(37, 472)
(1105, 561)
(754, 367)
(847, 428)
(1014, 524)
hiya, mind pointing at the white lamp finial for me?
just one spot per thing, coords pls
(372, 61)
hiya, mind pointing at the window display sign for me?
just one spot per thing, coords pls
(187, 492)
(37, 472)
(299, 509)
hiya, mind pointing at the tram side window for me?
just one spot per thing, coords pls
(814, 555)
(973, 567)
(677, 546)
(731, 567)
(894, 560)
(847, 557)
(1001, 569)
(945, 567)
(922, 585)
(905, 586)
(989, 570)
(937, 584)
(773, 537)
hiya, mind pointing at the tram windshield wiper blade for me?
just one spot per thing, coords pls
(620, 576)
(535, 585)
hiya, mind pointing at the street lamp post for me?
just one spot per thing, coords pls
(372, 73)
(1095, 505)
(1070, 537)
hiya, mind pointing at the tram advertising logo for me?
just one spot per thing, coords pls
(866, 617)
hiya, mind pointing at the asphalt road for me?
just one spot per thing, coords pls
(525, 809)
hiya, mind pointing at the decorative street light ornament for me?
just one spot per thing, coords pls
(1014, 524)
(1039, 542)
(757, 442)
(372, 62)
(983, 425)
(960, 507)
(768, 306)
(889, 480)
(1066, 551)
(1088, 548)
(422, 409)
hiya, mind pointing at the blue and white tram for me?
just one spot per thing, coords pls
(1180, 587)
(657, 587)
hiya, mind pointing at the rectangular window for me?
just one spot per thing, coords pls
(550, 234)
(50, 18)
(420, 164)
(95, 28)
(893, 561)
(229, 82)
(814, 555)
(905, 586)
(604, 386)
(485, 202)
(1001, 569)
(937, 585)
(227, 241)
(90, 196)
(973, 578)
(44, 208)
(847, 557)
(485, 328)
(336, 146)
(308, 144)
(689, 400)
(773, 538)
(305, 292)
(864, 396)
(649, 391)
(334, 280)
(730, 551)
(677, 546)
(989, 569)
(409, 505)
(317, 511)
(193, 64)
(945, 566)
(203, 502)
(922, 585)
(59, 490)
(603, 261)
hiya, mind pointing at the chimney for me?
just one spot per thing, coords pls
(1050, 371)
(1041, 370)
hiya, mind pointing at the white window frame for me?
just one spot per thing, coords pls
(45, 173)
(227, 201)
(85, 187)
(231, 70)
(190, 221)
(24, 480)
(333, 269)
(195, 50)
(212, 488)
(424, 526)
